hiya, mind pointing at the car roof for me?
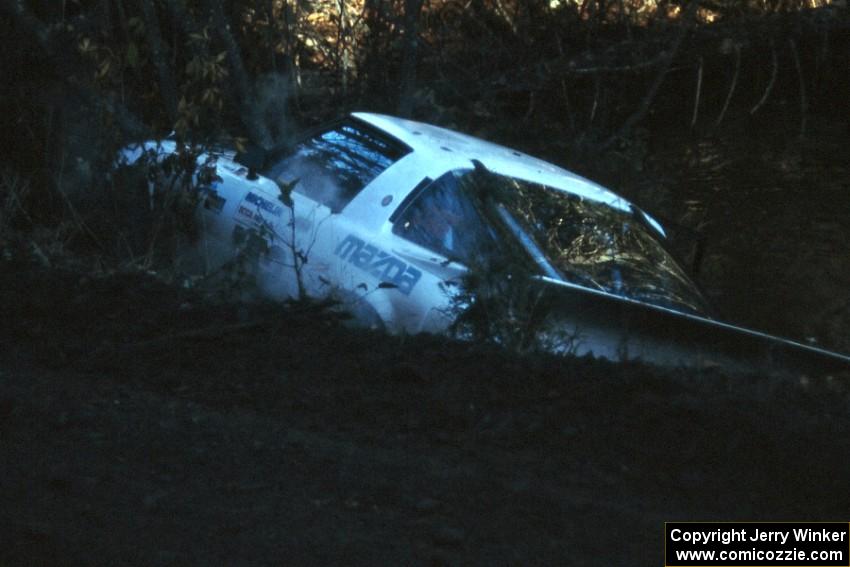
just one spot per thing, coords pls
(428, 139)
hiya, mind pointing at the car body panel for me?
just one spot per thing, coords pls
(354, 255)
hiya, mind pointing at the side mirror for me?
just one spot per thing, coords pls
(254, 158)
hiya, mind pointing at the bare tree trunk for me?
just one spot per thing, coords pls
(372, 66)
(408, 65)
(167, 88)
(122, 20)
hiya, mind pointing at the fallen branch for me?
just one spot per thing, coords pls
(699, 90)
(732, 86)
(769, 88)
(804, 101)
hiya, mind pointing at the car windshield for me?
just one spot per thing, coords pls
(588, 242)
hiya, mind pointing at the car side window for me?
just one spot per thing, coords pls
(332, 167)
(445, 220)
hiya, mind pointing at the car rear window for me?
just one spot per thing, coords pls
(333, 166)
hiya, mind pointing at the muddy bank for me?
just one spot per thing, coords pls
(141, 424)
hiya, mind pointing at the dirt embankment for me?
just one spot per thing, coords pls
(143, 425)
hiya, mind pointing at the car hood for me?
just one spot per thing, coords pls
(619, 328)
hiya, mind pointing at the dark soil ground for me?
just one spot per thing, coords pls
(145, 425)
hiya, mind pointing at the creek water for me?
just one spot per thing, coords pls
(774, 210)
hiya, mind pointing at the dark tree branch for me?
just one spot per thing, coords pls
(129, 123)
(181, 16)
(412, 9)
(25, 20)
(249, 114)
(804, 101)
(646, 102)
(61, 58)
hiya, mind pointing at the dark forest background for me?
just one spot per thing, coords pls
(726, 118)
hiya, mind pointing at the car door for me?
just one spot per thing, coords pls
(441, 231)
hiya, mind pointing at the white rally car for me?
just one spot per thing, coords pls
(382, 213)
